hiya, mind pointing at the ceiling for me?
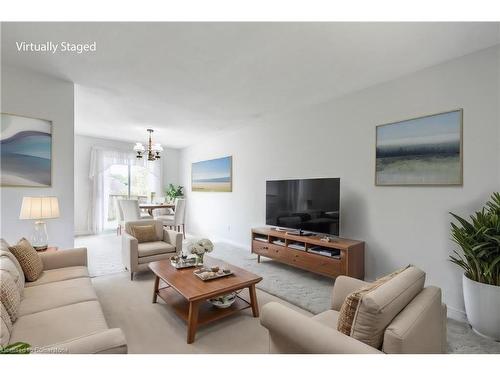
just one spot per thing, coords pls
(190, 80)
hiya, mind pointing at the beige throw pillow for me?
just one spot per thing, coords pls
(9, 295)
(9, 263)
(366, 313)
(28, 258)
(6, 326)
(144, 233)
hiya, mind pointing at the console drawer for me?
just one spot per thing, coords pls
(278, 252)
(261, 248)
(316, 263)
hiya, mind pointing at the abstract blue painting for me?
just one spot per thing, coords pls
(421, 151)
(212, 175)
(25, 151)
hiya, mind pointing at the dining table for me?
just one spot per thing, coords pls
(150, 207)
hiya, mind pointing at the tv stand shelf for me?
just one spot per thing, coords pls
(294, 250)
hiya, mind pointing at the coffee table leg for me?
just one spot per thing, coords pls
(253, 300)
(155, 290)
(192, 320)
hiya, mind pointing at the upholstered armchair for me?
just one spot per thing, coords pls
(406, 317)
(137, 254)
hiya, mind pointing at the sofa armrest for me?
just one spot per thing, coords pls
(292, 332)
(110, 341)
(64, 258)
(130, 252)
(174, 238)
(344, 285)
(419, 328)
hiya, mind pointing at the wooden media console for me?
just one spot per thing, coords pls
(309, 252)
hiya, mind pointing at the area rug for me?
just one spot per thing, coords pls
(307, 290)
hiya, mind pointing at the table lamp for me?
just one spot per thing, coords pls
(39, 208)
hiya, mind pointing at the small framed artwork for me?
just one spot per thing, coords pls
(420, 151)
(213, 175)
(26, 151)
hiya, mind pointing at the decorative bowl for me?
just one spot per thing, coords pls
(223, 302)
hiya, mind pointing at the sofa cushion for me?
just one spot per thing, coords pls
(379, 303)
(60, 274)
(144, 233)
(328, 318)
(60, 324)
(9, 294)
(5, 325)
(9, 263)
(147, 249)
(28, 258)
(52, 295)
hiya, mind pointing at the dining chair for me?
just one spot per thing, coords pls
(177, 220)
(130, 210)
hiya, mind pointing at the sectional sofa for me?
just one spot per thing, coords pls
(60, 311)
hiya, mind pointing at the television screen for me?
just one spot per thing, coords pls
(308, 204)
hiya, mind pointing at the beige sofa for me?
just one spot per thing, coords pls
(60, 311)
(416, 322)
(136, 256)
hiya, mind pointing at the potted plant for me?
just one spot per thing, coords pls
(173, 192)
(479, 240)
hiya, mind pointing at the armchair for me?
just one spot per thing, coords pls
(136, 256)
(420, 327)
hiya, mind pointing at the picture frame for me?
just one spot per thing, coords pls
(26, 151)
(213, 175)
(420, 151)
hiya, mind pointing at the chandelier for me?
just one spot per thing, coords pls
(153, 151)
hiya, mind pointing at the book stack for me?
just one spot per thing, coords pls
(297, 246)
(333, 253)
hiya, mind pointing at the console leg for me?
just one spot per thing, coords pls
(258, 258)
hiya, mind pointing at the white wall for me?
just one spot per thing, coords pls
(31, 94)
(83, 147)
(400, 225)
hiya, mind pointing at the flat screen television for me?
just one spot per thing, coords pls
(311, 205)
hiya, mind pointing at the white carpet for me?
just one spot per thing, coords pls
(303, 289)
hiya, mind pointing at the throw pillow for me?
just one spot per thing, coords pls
(28, 258)
(144, 233)
(6, 326)
(350, 308)
(9, 295)
(9, 263)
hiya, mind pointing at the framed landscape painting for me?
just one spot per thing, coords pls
(420, 151)
(26, 151)
(212, 175)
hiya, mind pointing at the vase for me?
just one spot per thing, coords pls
(482, 303)
(199, 259)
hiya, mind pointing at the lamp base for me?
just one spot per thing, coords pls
(40, 239)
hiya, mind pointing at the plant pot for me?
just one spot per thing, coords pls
(482, 305)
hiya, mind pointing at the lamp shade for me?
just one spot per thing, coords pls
(35, 208)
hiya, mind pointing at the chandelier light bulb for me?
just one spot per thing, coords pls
(152, 151)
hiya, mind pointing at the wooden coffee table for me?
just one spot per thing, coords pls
(187, 295)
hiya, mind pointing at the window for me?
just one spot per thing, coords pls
(126, 182)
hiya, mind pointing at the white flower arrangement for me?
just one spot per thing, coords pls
(201, 247)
